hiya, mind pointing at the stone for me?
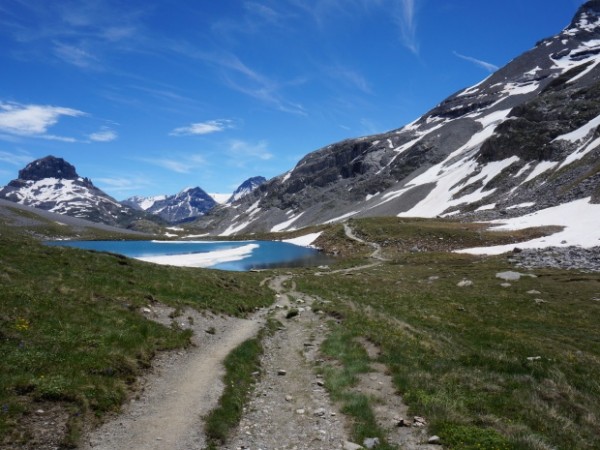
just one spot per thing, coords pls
(289, 398)
(539, 301)
(281, 372)
(300, 411)
(371, 442)
(351, 446)
(533, 292)
(464, 283)
(419, 421)
(435, 440)
(534, 358)
(509, 275)
(505, 285)
(400, 422)
(320, 412)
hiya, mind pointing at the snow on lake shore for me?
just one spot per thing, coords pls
(580, 219)
(202, 259)
(304, 241)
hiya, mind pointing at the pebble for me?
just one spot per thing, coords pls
(436, 440)
(300, 411)
(351, 446)
(371, 442)
(281, 372)
(464, 283)
(289, 398)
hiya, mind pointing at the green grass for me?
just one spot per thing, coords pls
(349, 360)
(70, 328)
(240, 365)
(238, 380)
(460, 356)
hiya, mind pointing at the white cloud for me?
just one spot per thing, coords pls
(75, 55)
(104, 135)
(19, 158)
(33, 120)
(185, 164)
(406, 19)
(241, 150)
(122, 185)
(486, 65)
(210, 126)
(350, 77)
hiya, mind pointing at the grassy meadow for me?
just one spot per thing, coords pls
(71, 333)
(489, 366)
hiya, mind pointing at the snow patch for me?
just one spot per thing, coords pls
(542, 167)
(304, 241)
(283, 225)
(579, 218)
(203, 259)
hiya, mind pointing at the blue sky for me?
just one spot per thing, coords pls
(149, 97)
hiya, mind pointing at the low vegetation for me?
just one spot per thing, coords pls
(71, 331)
(242, 367)
(489, 366)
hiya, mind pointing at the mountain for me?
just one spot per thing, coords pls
(53, 184)
(246, 187)
(187, 204)
(524, 139)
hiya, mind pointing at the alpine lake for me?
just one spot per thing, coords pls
(223, 255)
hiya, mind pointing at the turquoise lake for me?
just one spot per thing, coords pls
(235, 256)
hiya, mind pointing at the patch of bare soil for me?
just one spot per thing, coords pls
(290, 408)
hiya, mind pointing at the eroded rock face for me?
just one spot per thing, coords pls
(48, 167)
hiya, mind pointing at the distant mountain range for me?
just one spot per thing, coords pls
(524, 139)
(53, 184)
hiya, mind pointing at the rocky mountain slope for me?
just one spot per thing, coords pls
(246, 188)
(187, 204)
(523, 139)
(52, 184)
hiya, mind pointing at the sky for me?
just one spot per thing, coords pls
(150, 97)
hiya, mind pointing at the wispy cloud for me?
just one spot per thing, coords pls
(185, 164)
(350, 78)
(123, 185)
(34, 120)
(200, 128)
(75, 55)
(104, 135)
(241, 152)
(478, 62)
(406, 18)
(244, 79)
(18, 158)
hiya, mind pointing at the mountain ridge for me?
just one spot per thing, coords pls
(522, 139)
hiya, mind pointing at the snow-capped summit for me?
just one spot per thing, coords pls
(187, 204)
(53, 184)
(246, 187)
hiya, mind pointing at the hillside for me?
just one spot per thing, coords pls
(524, 139)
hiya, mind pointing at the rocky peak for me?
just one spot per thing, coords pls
(587, 18)
(48, 167)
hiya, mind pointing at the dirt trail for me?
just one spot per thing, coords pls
(290, 408)
(183, 387)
